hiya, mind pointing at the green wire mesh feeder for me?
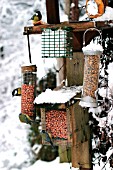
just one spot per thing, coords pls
(57, 43)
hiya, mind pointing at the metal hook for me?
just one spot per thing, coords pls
(92, 29)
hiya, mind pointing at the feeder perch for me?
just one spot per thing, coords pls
(28, 90)
(92, 54)
(57, 43)
(56, 114)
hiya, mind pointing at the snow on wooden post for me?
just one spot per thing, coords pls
(92, 54)
(28, 90)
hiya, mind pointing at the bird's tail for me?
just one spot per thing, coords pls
(53, 146)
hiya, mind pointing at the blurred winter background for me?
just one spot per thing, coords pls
(15, 150)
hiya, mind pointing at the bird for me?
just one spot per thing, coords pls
(24, 118)
(47, 137)
(16, 92)
(36, 18)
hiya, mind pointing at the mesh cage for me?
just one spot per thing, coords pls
(28, 90)
(57, 43)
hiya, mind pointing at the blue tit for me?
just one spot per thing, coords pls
(25, 118)
(47, 137)
(36, 18)
(16, 92)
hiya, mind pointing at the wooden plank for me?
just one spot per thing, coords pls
(81, 157)
(78, 29)
(81, 146)
(43, 119)
(52, 106)
(52, 7)
(64, 154)
(38, 29)
(75, 69)
(76, 26)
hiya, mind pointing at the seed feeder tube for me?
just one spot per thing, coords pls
(28, 90)
(91, 71)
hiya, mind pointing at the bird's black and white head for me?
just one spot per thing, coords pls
(38, 13)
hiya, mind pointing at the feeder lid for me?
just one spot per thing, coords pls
(29, 68)
(92, 49)
(61, 96)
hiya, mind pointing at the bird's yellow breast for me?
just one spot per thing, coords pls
(36, 18)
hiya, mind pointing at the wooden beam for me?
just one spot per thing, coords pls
(78, 29)
(52, 7)
(76, 26)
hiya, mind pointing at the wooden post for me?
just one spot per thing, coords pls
(75, 69)
(74, 11)
(52, 7)
(81, 145)
(67, 7)
(81, 157)
(61, 73)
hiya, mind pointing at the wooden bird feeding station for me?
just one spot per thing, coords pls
(56, 113)
(76, 118)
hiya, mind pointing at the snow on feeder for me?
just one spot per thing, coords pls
(28, 90)
(92, 54)
(57, 43)
(56, 114)
(95, 8)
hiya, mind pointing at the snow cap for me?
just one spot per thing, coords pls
(92, 49)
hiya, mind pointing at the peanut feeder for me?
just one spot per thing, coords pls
(91, 73)
(56, 116)
(28, 90)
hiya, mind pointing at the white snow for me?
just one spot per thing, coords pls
(107, 16)
(92, 7)
(60, 96)
(92, 48)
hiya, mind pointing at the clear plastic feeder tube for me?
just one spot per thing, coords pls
(91, 74)
(28, 90)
